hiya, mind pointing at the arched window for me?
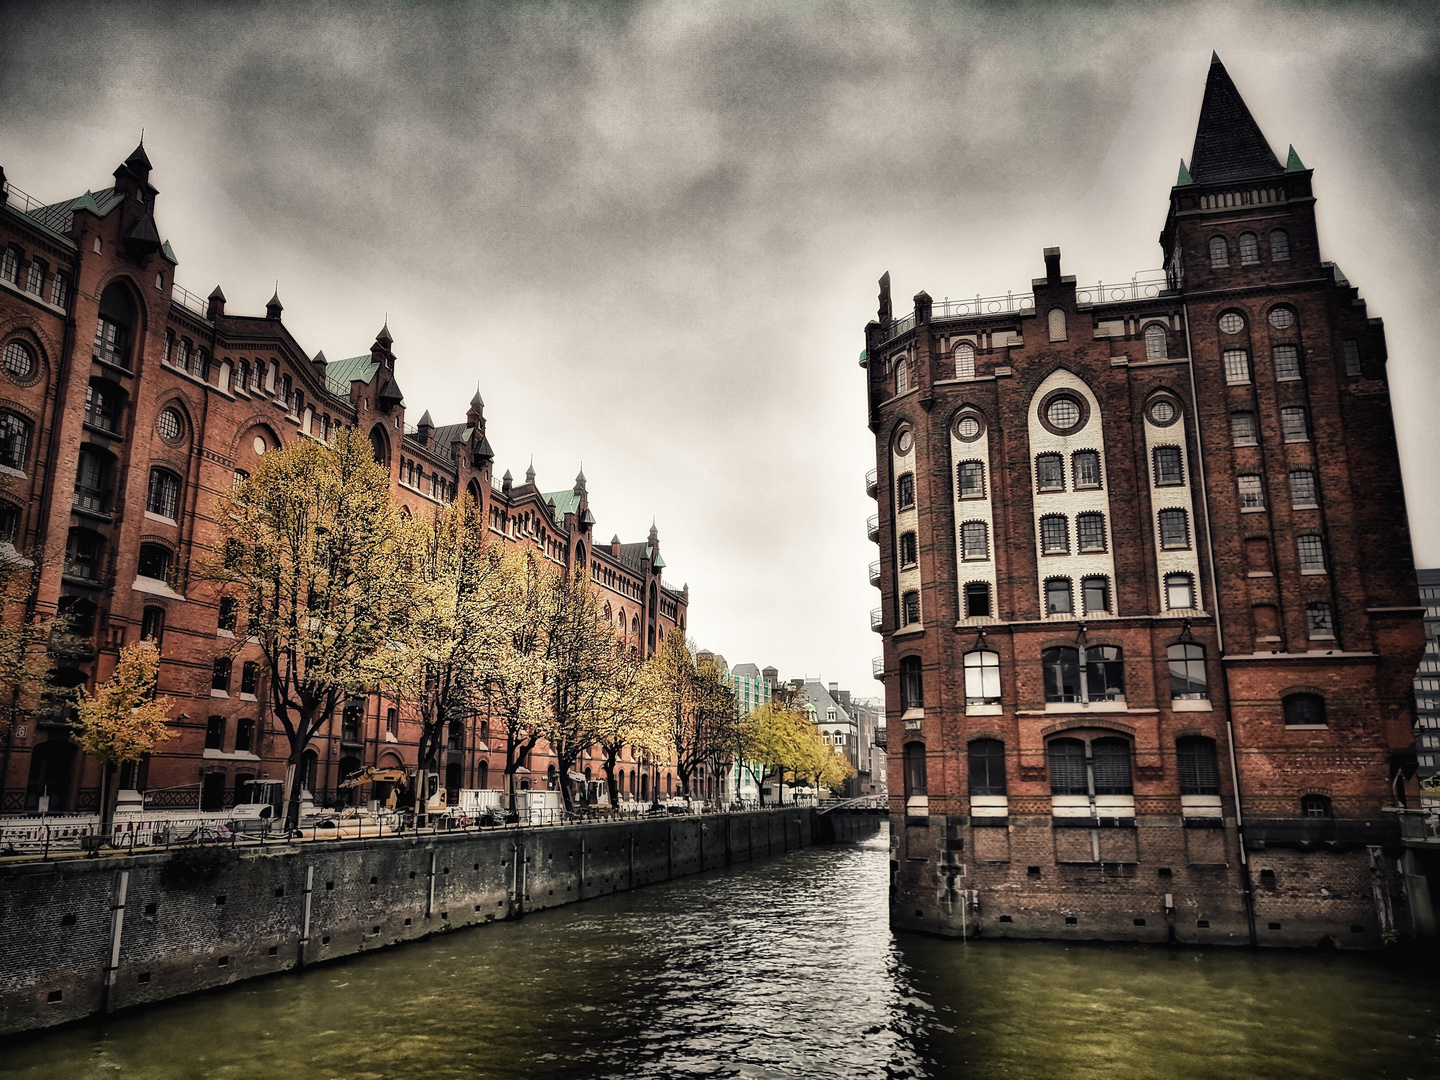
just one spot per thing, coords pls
(1279, 245)
(1050, 472)
(1304, 710)
(974, 540)
(163, 496)
(915, 781)
(1179, 591)
(1058, 600)
(1055, 323)
(1095, 592)
(14, 440)
(152, 625)
(1090, 531)
(182, 355)
(907, 549)
(1104, 673)
(84, 553)
(154, 562)
(982, 678)
(1110, 762)
(1196, 766)
(1085, 465)
(1155, 347)
(1219, 252)
(115, 325)
(965, 360)
(1067, 767)
(1249, 248)
(1188, 681)
(1054, 535)
(977, 599)
(987, 767)
(970, 479)
(902, 376)
(905, 491)
(912, 685)
(1061, 664)
(378, 446)
(483, 779)
(1315, 806)
(1174, 530)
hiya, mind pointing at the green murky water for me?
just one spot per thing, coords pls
(784, 969)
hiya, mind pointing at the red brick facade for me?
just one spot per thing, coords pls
(129, 406)
(1164, 522)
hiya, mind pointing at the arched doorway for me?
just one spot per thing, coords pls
(309, 770)
(484, 777)
(51, 765)
(644, 787)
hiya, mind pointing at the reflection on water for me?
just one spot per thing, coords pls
(781, 969)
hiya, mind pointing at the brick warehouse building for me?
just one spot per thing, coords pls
(127, 405)
(1141, 681)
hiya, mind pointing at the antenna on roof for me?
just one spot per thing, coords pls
(142, 136)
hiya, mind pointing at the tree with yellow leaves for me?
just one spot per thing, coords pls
(123, 720)
(777, 737)
(313, 549)
(690, 704)
(622, 721)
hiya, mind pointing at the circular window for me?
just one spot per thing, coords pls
(169, 425)
(1163, 412)
(18, 361)
(259, 446)
(1232, 322)
(905, 441)
(968, 428)
(1063, 413)
(1282, 318)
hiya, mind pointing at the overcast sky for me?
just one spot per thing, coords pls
(650, 233)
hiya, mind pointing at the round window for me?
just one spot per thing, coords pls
(1232, 322)
(259, 446)
(905, 441)
(1063, 413)
(18, 361)
(968, 428)
(1282, 318)
(168, 425)
(1163, 412)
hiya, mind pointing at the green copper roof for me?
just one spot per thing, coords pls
(169, 253)
(864, 357)
(566, 502)
(345, 372)
(1293, 163)
(1184, 177)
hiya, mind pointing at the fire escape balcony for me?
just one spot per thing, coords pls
(877, 620)
(875, 573)
(872, 527)
(872, 481)
(877, 668)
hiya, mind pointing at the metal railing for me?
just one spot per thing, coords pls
(1144, 284)
(877, 667)
(21, 201)
(872, 526)
(872, 481)
(877, 619)
(875, 572)
(188, 300)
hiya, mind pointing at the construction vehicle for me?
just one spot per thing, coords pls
(402, 787)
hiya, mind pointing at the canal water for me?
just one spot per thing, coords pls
(780, 969)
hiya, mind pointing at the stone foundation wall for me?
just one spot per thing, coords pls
(88, 936)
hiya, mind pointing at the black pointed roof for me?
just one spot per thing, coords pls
(1229, 144)
(139, 160)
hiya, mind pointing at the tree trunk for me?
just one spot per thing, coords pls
(610, 787)
(292, 789)
(109, 792)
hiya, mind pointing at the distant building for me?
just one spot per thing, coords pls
(1427, 685)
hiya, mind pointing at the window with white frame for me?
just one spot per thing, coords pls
(1179, 592)
(1249, 248)
(1054, 535)
(982, 677)
(1242, 428)
(1090, 531)
(965, 360)
(1302, 489)
(1174, 529)
(1252, 492)
(1155, 348)
(974, 540)
(1311, 551)
(1287, 362)
(1237, 366)
(1219, 252)
(970, 479)
(1086, 467)
(1294, 425)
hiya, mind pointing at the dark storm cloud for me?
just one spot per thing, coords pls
(652, 231)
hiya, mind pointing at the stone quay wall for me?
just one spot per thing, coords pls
(88, 936)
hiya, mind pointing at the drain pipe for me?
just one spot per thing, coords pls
(1247, 888)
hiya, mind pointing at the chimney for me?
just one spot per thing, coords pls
(834, 689)
(1052, 266)
(884, 312)
(216, 306)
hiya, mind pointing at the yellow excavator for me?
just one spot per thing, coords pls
(402, 787)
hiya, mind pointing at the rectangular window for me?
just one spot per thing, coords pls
(910, 609)
(1050, 472)
(1312, 554)
(102, 410)
(1287, 362)
(970, 479)
(907, 549)
(1237, 366)
(215, 733)
(1242, 428)
(36, 282)
(977, 599)
(91, 481)
(1090, 531)
(1352, 356)
(1252, 493)
(249, 677)
(1196, 767)
(244, 736)
(1169, 466)
(1302, 489)
(1054, 535)
(152, 625)
(229, 613)
(163, 498)
(220, 678)
(1087, 469)
(904, 491)
(1174, 533)
(10, 268)
(1293, 425)
(1179, 592)
(975, 540)
(1096, 591)
(1057, 597)
(59, 290)
(1319, 621)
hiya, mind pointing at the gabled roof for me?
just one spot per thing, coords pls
(1228, 142)
(820, 698)
(445, 436)
(631, 554)
(344, 372)
(566, 502)
(60, 216)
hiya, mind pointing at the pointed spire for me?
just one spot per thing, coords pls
(425, 421)
(1293, 162)
(530, 473)
(383, 337)
(615, 540)
(217, 294)
(138, 160)
(216, 304)
(1229, 144)
(319, 358)
(1184, 177)
(477, 401)
(580, 481)
(507, 477)
(274, 307)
